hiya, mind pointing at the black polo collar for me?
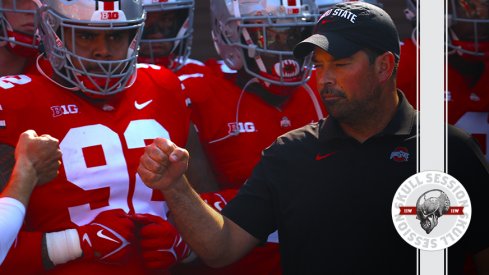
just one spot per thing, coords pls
(401, 124)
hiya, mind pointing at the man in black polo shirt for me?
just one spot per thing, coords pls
(328, 187)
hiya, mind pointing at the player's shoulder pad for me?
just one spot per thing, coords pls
(159, 75)
(199, 82)
(219, 66)
(193, 61)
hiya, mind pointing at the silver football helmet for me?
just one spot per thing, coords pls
(18, 27)
(468, 28)
(323, 5)
(259, 36)
(64, 23)
(167, 35)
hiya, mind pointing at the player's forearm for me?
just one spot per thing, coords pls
(21, 183)
(201, 227)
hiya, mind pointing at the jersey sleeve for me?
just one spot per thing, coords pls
(25, 255)
(14, 99)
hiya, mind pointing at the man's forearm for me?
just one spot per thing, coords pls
(201, 227)
(216, 239)
(21, 184)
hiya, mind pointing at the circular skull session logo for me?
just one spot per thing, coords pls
(431, 210)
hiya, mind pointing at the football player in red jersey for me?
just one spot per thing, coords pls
(166, 41)
(18, 40)
(96, 216)
(468, 67)
(241, 106)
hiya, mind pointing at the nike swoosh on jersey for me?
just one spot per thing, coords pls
(142, 105)
(320, 157)
(103, 236)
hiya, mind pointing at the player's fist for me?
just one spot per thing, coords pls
(108, 237)
(162, 164)
(161, 245)
(37, 154)
(218, 200)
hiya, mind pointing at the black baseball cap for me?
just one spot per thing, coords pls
(348, 27)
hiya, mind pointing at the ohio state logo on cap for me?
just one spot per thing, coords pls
(326, 13)
(431, 210)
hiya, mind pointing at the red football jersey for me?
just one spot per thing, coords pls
(468, 105)
(101, 145)
(217, 114)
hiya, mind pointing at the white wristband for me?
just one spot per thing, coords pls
(63, 246)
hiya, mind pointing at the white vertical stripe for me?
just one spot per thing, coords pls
(432, 145)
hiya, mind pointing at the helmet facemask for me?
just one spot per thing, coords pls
(18, 27)
(167, 35)
(105, 72)
(260, 38)
(269, 56)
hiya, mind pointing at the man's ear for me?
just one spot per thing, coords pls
(384, 66)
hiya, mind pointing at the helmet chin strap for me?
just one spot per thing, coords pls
(253, 54)
(180, 34)
(41, 71)
(18, 43)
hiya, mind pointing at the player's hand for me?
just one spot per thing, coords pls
(108, 238)
(163, 164)
(161, 245)
(38, 155)
(218, 200)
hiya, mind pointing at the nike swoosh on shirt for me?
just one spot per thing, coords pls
(142, 105)
(320, 157)
(103, 236)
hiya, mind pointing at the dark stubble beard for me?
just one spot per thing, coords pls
(354, 111)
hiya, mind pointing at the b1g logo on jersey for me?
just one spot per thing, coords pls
(431, 210)
(64, 110)
(241, 127)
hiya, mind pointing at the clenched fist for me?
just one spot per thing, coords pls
(37, 154)
(162, 164)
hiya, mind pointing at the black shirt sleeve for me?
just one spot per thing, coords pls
(253, 208)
